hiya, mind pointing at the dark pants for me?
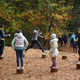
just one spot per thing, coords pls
(1, 47)
(65, 42)
(19, 54)
(74, 49)
(32, 44)
(79, 51)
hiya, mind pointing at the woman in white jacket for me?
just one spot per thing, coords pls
(53, 50)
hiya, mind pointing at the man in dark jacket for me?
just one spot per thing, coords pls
(2, 35)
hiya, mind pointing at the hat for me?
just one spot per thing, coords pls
(53, 35)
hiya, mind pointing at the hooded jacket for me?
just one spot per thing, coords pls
(54, 46)
(19, 42)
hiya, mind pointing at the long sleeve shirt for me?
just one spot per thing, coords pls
(35, 35)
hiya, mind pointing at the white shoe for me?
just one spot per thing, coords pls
(2, 56)
(78, 62)
(22, 67)
(18, 68)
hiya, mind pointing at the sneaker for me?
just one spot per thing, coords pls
(44, 52)
(2, 56)
(22, 67)
(53, 67)
(18, 68)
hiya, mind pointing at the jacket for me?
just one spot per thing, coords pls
(54, 46)
(19, 42)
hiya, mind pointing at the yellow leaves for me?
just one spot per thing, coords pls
(47, 35)
(65, 14)
(53, 4)
(56, 16)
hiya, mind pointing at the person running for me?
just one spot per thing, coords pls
(35, 39)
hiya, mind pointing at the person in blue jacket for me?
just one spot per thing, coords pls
(2, 40)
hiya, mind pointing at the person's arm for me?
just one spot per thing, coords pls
(35, 32)
(13, 43)
(26, 43)
(7, 35)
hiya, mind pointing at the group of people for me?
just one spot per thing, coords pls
(63, 38)
(20, 43)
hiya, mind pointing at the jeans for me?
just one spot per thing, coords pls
(19, 54)
(32, 44)
(1, 47)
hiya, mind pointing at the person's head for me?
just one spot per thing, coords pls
(1, 26)
(53, 36)
(79, 30)
(37, 29)
(19, 31)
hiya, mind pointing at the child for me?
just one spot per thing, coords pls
(2, 40)
(65, 40)
(53, 50)
(75, 46)
(19, 43)
(35, 39)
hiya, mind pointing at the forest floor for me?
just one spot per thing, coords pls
(36, 68)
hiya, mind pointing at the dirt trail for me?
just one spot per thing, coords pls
(37, 68)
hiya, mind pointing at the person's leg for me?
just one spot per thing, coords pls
(32, 44)
(1, 51)
(17, 57)
(52, 62)
(1, 48)
(21, 57)
(79, 53)
(55, 62)
(61, 43)
(73, 49)
(39, 45)
(76, 49)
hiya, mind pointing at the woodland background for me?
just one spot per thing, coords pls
(51, 16)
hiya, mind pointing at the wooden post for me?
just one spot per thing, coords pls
(54, 69)
(1, 58)
(19, 71)
(64, 57)
(78, 65)
(43, 56)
